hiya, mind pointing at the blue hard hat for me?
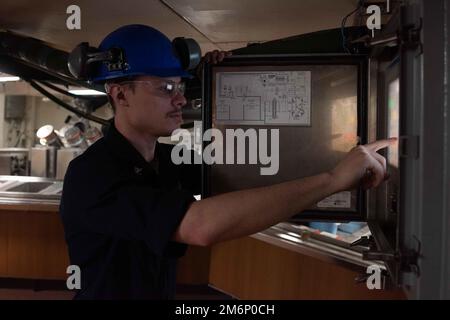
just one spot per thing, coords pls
(145, 51)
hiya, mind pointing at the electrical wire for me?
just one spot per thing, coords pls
(97, 101)
(60, 90)
(344, 21)
(65, 105)
(20, 132)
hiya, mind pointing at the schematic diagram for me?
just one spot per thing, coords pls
(264, 98)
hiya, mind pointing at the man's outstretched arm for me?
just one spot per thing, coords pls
(240, 213)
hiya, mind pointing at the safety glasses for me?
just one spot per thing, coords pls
(166, 87)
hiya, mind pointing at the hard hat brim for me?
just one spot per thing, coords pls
(164, 73)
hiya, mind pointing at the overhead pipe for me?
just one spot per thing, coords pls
(39, 55)
(65, 105)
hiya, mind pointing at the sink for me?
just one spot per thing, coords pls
(30, 187)
(3, 182)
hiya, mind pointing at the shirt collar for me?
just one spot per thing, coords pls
(124, 150)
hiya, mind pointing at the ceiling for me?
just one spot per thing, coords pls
(215, 24)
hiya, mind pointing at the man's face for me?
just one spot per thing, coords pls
(151, 107)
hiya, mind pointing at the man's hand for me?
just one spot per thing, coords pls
(216, 56)
(362, 165)
(212, 57)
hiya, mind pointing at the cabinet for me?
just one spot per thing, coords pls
(249, 268)
(32, 244)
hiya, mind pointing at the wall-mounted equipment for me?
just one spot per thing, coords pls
(15, 107)
(317, 103)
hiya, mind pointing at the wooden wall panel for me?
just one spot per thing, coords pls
(32, 246)
(193, 268)
(36, 246)
(3, 244)
(252, 269)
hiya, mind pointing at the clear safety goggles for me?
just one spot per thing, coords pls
(167, 87)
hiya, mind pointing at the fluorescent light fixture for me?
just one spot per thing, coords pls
(289, 238)
(87, 92)
(9, 78)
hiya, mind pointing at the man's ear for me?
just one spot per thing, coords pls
(119, 96)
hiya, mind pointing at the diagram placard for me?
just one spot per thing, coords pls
(263, 98)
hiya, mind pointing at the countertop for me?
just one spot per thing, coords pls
(24, 193)
(328, 248)
(34, 194)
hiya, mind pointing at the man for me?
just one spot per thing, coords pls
(128, 211)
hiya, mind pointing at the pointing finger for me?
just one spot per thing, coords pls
(381, 144)
(381, 175)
